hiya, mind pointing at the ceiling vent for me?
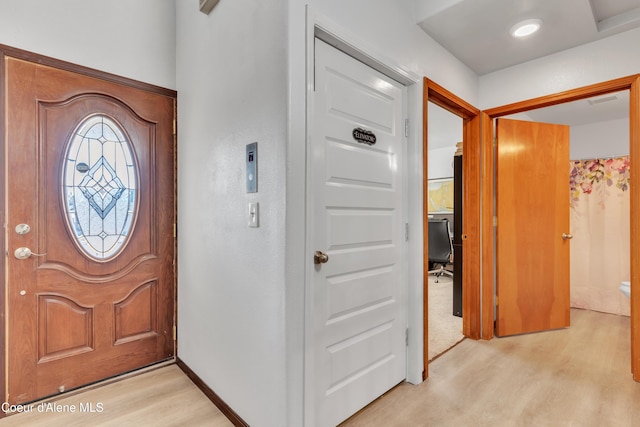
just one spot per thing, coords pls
(602, 99)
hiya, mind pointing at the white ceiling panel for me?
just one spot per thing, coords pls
(586, 111)
(477, 32)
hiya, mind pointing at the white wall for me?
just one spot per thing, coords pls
(441, 162)
(606, 59)
(389, 27)
(232, 84)
(445, 131)
(602, 139)
(135, 39)
(240, 74)
(241, 324)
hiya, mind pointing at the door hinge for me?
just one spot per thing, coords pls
(495, 221)
(406, 128)
(175, 332)
(174, 126)
(406, 231)
(406, 337)
(175, 230)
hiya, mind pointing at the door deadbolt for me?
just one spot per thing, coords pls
(320, 257)
(22, 228)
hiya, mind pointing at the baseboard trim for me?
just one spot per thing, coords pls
(212, 396)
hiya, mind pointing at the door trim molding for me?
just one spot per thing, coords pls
(3, 285)
(85, 71)
(631, 83)
(11, 52)
(471, 208)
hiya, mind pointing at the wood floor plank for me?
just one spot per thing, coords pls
(164, 397)
(579, 376)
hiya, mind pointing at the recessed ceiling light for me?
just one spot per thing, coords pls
(525, 28)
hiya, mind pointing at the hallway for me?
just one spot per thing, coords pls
(578, 376)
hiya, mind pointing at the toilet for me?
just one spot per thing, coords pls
(625, 288)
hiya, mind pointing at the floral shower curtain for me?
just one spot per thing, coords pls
(600, 226)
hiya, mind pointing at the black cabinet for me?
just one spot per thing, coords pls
(457, 236)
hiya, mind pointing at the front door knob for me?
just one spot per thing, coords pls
(320, 257)
(566, 236)
(22, 253)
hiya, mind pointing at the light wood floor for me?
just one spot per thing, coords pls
(160, 398)
(579, 376)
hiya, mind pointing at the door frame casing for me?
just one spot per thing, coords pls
(11, 52)
(631, 83)
(470, 115)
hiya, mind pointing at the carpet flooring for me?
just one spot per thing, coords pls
(445, 329)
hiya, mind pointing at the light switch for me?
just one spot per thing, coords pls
(254, 214)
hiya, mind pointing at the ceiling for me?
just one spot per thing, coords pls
(477, 33)
(445, 128)
(601, 108)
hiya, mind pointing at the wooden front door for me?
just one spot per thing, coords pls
(89, 235)
(532, 217)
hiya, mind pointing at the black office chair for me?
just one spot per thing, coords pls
(440, 247)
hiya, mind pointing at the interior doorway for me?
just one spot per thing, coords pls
(599, 202)
(471, 208)
(632, 84)
(444, 210)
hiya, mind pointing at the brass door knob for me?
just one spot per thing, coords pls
(22, 253)
(320, 257)
(566, 236)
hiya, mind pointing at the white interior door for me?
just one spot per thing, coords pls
(357, 220)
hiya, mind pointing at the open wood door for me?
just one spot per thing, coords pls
(532, 249)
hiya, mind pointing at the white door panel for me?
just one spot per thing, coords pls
(359, 101)
(356, 218)
(366, 167)
(359, 228)
(359, 290)
(366, 197)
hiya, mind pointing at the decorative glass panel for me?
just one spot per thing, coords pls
(99, 183)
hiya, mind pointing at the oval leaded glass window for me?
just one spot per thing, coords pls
(99, 183)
